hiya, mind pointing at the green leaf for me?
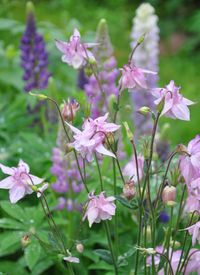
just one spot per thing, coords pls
(13, 210)
(32, 254)
(100, 266)
(10, 224)
(11, 267)
(10, 242)
(104, 255)
(124, 202)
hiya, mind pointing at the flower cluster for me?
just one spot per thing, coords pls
(146, 56)
(34, 57)
(98, 92)
(68, 181)
(91, 139)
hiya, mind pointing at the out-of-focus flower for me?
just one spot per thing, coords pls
(79, 247)
(91, 139)
(169, 194)
(156, 257)
(130, 168)
(107, 73)
(190, 163)
(175, 258)
(175, 105)
(34, 57)
(99, 208)
(71, 259)
(194, 230)
(146, 56)
(69, 109)
(163, 217)
(194, 263)
(75, 53)
(19, 181)
(133, 76)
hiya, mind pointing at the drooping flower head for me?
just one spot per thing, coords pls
(190, 162)
(34, 57)
(133, 77)
(19, 181)
(107, 73)
(91, 138)
(146, 56)
(175, 105)
(130, 168)
(75, 53)
(99, 208)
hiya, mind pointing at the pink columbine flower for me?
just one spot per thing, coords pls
(194, 230)
(194, 263)
(99, 208)
(19, 181)
(175, 105)
(133, 76)
(91, 139)
(130, 168)
(74, 52)
(190, 163)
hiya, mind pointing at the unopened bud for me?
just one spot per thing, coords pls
(80, 247)
(110, 140)
(128, 131)
(169, 195)
(40, 96)
(148, 233)
(69, 109)
(25, 240)
(144, 110)
(141, 39)
(129, 190)
(128, 108)
(92, 61)
(34, 188)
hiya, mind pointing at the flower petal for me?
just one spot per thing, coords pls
(16, 193)
(6, 170)
(7, 183)
(102, 150)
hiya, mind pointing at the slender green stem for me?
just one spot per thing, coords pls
(168, 261)
(107, 229)
(138, 243)
(117, 106)
(99, 171)
(116, 214)
(167, 244)
(178, 219)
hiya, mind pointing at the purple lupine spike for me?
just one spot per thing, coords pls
(68, 180)
(34, 58)
(106, 64)
(146, 56)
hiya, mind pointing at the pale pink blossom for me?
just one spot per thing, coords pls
(99, 208)
(194, 230)
(194, 262)
(133, 76)
(192, 203)
(174, 261)
(130, 168)
(75, 53)
(175, 105)
(41, 190)
(91, 138)
(19, 181)
(190, 162)
(72, 259)
(156, 257)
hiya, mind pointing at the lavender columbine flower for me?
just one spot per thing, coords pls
(146, 56)
(34, 58)
(108, 73)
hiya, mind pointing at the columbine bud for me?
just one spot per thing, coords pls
(25, 240)
(144, 110)
(40, 96)
(128, 131)
(69, 109)
(129, 190)
(169, 195)
(80, 247)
